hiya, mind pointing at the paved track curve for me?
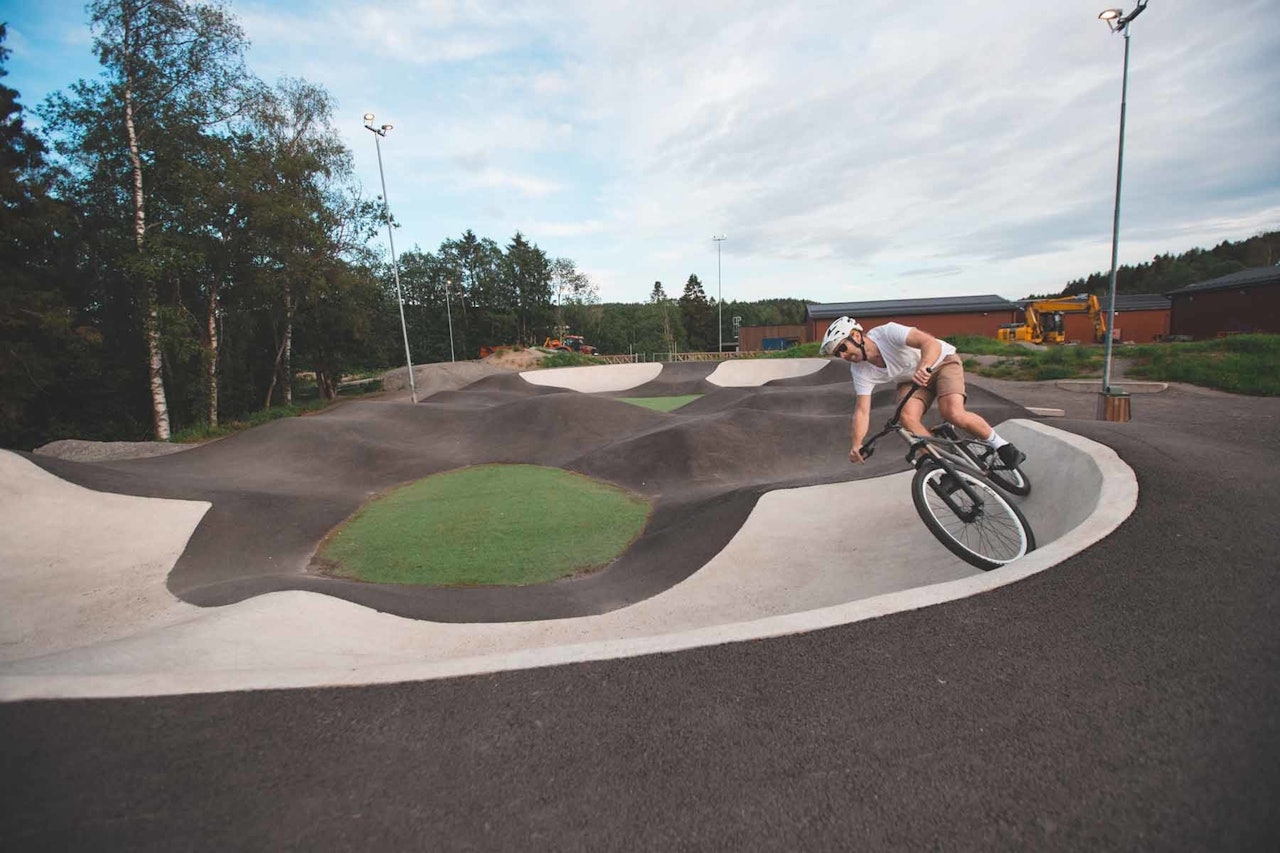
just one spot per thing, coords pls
(1126, 699)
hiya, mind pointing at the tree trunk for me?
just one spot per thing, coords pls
(286, 365)
(326, 386)
(155, 359)
(211, 374)
(275, 375)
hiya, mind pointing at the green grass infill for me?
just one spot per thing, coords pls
(488, 525)
(1239, 364)
(661, 404)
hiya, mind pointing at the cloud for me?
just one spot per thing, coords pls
(848, 150)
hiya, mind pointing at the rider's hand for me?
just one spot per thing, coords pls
(854, 455)
(922, 376)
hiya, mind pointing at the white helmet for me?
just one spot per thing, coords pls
(839, 329)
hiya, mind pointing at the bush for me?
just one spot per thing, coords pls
(560, 358)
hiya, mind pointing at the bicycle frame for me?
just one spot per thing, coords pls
(945, 452)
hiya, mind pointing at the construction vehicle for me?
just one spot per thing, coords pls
(570, 343)
(1042, 320)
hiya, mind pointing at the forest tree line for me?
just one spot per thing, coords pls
(183, 241)
(1167, 272)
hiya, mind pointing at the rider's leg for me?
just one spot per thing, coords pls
(951, 407)
(913, 416)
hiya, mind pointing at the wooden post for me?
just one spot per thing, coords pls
(1113, 406)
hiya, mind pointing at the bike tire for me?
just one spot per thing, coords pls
(999, 535)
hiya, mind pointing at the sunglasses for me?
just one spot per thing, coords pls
(846, 343)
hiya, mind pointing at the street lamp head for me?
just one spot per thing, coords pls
(385, 128)
(1117, 20)
(368, 118)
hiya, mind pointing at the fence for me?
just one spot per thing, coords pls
(702, 356)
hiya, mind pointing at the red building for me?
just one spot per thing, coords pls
(1245, 301)
(942, 316)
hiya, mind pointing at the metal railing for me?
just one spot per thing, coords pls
(702, 356)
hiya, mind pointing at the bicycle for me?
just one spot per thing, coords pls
(955, 498)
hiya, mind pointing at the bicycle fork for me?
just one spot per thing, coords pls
(948, 485)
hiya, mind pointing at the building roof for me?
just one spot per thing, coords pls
(1139, 302)
(891, 307)
(1245, 278)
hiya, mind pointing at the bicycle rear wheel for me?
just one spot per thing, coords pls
(1012, 480)
(986, 536)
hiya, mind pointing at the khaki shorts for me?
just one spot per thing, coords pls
(948, 378)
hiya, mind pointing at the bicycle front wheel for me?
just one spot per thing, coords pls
(987, 534)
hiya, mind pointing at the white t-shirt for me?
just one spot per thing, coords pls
(900, 360)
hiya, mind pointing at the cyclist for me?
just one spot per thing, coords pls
(905, 355)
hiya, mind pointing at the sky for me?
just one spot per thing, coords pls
(846, 151)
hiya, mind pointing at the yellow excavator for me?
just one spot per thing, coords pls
(570, 343)
(1042, 320)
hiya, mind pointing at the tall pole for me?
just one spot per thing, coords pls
(1115, 223)
(719, 238)
(379, 132)
(449, 311)
(1118, 22)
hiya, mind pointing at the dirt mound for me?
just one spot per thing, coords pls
(101, 451)
(516, 359)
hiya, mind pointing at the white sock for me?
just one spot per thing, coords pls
(995, 441)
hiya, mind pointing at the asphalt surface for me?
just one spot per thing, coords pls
(278, 490)
(1124, 699)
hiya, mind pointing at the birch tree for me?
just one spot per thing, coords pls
(169, 67)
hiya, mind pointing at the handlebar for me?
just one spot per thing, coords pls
(868, 445)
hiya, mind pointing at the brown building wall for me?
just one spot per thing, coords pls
(751, 338)
(1208, 313)
(1139, 326)
(938, 325)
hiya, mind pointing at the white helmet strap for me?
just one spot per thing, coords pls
(860, 343)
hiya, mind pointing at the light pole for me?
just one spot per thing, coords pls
(1119, 22)
(449, 311)
(719, 238)
(378, 133)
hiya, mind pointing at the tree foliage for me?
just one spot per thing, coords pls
(1167, 272)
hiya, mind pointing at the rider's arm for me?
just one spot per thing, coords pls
(859, 425)
(930, 350)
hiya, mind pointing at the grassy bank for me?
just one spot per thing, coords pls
(489, 525)
(1241, 364)
(306, 401)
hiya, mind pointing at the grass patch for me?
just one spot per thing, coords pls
(979, 345)
(661, 404)
(1240, 364)
(809, 350)
(489, 525)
